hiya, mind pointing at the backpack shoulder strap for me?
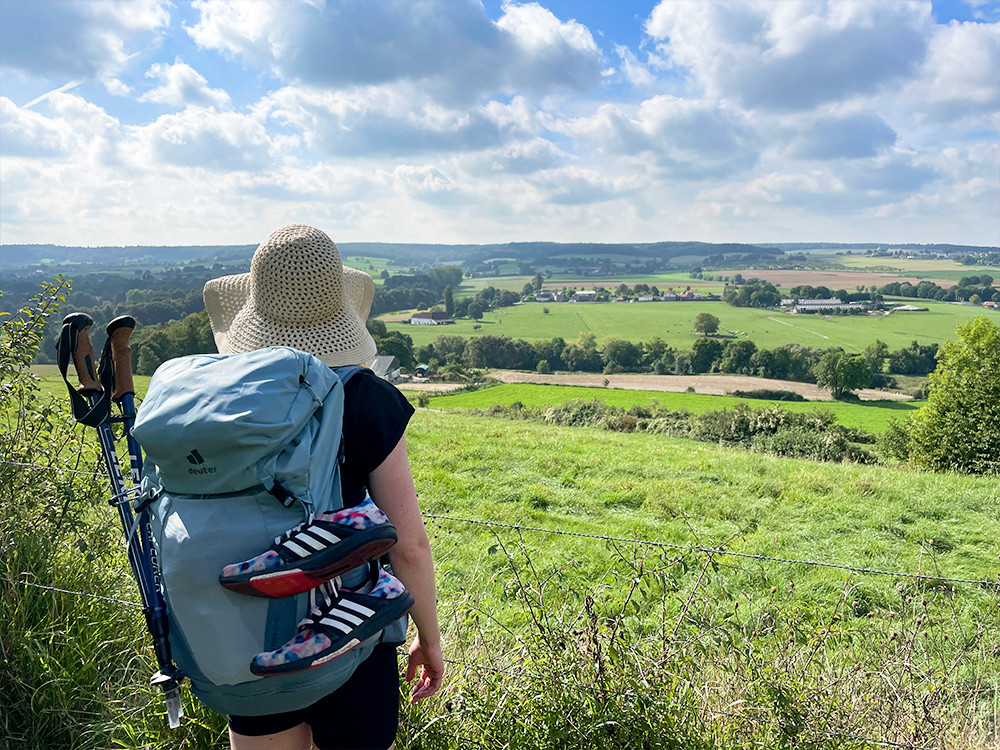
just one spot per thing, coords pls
(347, 372)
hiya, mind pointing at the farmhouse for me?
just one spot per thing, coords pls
(689, 294)
(431, 318)
(547, 296)
(584, 296)
(386, 367)
(823, 305)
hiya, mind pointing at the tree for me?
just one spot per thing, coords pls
(958, 429)
(704, 354)
(537, 282)
(475, 311)
(706, 324)
(449, 301)
(736, 357)
(621, 356)
(876, 354)
(842, 373)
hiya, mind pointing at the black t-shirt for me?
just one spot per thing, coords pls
(375, 418)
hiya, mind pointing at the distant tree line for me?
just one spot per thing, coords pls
(968, 289)
(759, 293)
(835, 369)
(418, 291)
(978, 259)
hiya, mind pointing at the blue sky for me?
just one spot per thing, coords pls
(217, 121)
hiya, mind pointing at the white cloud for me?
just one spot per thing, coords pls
(202, 138)
(72, 39)
(960, 76)
(390, 120)
(840, 137)
(524, 157)
(183, 86)
(27, 133)
(451, 49)
(426, 183)
(635, 72)
(577, 186)
(795, 54)
(689, 139)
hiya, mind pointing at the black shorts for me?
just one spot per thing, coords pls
(362, 714)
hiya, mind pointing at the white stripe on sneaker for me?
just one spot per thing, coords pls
(331, 538)
(357, 607)
(334, 623)
(311, 541)
(300, 551)
(346, 616)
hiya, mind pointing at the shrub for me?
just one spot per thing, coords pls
(770, 395)
(959, 427)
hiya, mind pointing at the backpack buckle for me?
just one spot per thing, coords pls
(282, 495)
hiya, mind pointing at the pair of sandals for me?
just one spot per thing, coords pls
(311, 557)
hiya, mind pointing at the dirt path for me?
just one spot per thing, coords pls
(716, 385)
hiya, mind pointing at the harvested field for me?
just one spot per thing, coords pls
(715, 385)
(833, 279)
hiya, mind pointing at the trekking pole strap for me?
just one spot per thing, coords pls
(91, 402)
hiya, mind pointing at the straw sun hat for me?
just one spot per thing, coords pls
(299, 294)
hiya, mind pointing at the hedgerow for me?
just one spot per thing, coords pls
(814, 434)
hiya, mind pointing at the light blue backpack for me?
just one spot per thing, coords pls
(239, 448)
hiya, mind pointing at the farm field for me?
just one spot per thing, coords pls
(673, 322)
(861, 270)
(873, 416)
(679, 280)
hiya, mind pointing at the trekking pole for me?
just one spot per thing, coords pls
(74, 343)
(167, 677)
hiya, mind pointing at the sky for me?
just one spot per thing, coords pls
(485, 121)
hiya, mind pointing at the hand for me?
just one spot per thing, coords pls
(431, 664)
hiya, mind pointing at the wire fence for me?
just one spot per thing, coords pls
(714, 551)
(479, 667)
(576, 686)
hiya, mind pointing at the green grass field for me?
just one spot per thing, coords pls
(673, 322)
(575, 572)
(873, 416)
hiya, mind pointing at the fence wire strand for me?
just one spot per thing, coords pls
(664, 545)
(714, 551)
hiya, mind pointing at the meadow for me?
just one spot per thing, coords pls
(596, 590)
(677, 280)
(673, 322)
(873, 416)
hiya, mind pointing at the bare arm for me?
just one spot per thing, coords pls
(391, 486)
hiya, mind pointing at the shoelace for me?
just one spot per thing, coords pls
(329, 591)
(288, 534)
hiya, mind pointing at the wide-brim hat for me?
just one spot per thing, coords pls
(299, 294)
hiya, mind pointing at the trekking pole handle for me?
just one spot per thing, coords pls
(83, 353)
(119, 330)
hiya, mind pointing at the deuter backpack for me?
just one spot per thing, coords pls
(240, 448)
